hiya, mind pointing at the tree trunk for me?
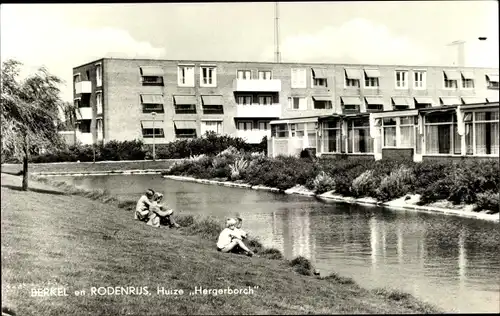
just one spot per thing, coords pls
(25, 164)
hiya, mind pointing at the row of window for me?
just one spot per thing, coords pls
(189, 130)
(441, 135)
(319, 78)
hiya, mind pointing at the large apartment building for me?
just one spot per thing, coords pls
(165, 100)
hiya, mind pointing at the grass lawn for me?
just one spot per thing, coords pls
(51, 238)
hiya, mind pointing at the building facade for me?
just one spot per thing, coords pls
(164, 100)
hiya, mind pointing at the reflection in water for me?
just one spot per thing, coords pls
(451, 262)
(462, 259)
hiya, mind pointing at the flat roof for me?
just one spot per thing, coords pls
(283, 63)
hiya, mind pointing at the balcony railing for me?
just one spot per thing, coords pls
(258, 110)
(257, 85)
(84, 113)
(253, 136)
(83, 87)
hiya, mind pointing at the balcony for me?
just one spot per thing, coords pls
(84, 138)
(83, 87)
(253, 137)
(257, 85)
(84, 113)
(258, 110)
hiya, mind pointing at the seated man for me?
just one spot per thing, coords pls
(230, 240)
(161, 214)
(142, 208)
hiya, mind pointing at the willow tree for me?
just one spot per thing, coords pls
(29, 113)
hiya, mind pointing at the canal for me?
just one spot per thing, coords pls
(447, 261)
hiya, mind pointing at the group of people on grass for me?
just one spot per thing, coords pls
(150, 209)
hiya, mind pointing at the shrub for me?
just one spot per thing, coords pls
(302, 265)
(429, 172)
(471, 178)
(334, 277)
(397, 184)
(238, 168)
(323, 183)
(488, 200)
(439, 190)
(271, 253)
(365, 184)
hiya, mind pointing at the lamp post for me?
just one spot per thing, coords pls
(154, 116)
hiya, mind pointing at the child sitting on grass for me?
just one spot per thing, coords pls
(230, 240)
(161, 214)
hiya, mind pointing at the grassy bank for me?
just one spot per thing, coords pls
(62, 236)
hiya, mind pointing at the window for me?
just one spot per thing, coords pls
(185, 133)
(398, 132)
(98, 98)
(350, 82)
(371, 81)
(152, 80)
(244, 74)
(279, 131)
(450, 83)
(77, 103)
(87, 73)
(299, 78)
(331, 139)
(208, 76)
(99, 126)
(467, 83)
(150, 108)
(77, 78)
(151, 76)
(213, 109)
(152, 103)
(492, 82)
(84, 126)
(185, 109)
(297, 103)
(211, 126)
(185, 76)
(265, 100)
(244, 99)
(149, 132)
(441, 134)
(322, 105)
(419, 79)
(319, 82)
(389, 127)
(481, 133)
(263, 126)
(401, 79)
(358, 136)
(245, 125)
(265, 74)
(319, 76)
(98, 74)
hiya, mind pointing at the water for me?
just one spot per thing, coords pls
(447, 261)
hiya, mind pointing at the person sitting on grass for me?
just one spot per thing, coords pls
(142, 208)
(230, 240)
(240, 232)
(161, 214)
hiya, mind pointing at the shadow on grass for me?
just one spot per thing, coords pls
(16, 188)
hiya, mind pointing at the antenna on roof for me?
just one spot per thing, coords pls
(276, 33)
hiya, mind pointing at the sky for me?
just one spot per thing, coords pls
(63, 36)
